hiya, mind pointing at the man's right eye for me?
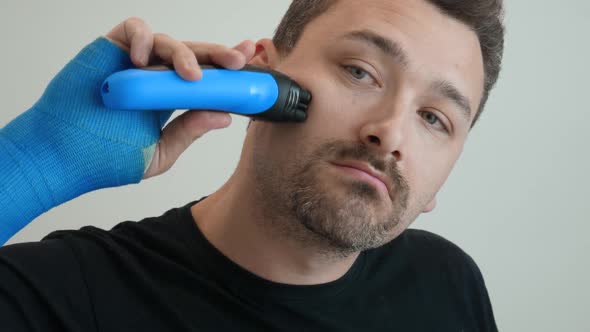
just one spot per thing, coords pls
(357, 72)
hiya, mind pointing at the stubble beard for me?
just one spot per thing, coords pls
(304, 201)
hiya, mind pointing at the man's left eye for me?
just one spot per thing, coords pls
(433, 120)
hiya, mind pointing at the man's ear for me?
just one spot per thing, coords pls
(266, 56)
(430, 206)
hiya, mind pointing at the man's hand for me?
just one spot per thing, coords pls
(146, 48)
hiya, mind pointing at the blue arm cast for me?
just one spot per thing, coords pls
(68, 143)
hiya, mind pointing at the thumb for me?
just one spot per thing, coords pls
(179, 134)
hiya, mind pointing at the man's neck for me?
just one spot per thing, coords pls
(239, 227)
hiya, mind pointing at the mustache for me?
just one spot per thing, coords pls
(359, 151)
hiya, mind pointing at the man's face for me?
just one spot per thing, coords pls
(395, 87)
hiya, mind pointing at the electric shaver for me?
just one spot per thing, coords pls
(252, 91)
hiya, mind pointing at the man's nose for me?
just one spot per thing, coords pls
(386, 131)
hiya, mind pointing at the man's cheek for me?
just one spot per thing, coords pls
(334, 115)
(430, 177)
(323, 115)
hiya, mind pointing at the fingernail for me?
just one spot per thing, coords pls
(145, 59)
(224, 120)
(192, 64)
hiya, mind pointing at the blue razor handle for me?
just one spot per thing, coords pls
(253, 91)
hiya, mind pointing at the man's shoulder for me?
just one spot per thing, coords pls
(432, 275)
(428, 251)
(47, 255)
(71, 246)
(430, 243)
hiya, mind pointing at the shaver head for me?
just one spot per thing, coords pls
(292, 102)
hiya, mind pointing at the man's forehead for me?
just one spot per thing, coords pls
(408, 22)
(383, 9)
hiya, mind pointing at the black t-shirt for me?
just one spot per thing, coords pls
(161, 274)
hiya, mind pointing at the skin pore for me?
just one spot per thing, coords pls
(395, 87)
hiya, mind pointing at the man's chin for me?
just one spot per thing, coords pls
(349, 215)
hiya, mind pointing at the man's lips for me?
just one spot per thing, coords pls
(367, 172)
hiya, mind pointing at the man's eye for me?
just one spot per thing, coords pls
(357, 72)
(433, 120)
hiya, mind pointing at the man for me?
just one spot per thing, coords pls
(310, 232)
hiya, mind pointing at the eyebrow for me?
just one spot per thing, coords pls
(387, 46)
(393, 49)
(447, 90)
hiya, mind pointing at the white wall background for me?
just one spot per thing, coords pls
(517, 200)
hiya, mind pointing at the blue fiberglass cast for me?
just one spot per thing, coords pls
(252, 91)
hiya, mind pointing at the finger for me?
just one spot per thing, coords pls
(142, 42)
(179, 134)
(207, 53)
(248, 48)
(135, 36)
(180, 55)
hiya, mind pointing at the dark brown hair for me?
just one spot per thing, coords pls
(484, 17)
